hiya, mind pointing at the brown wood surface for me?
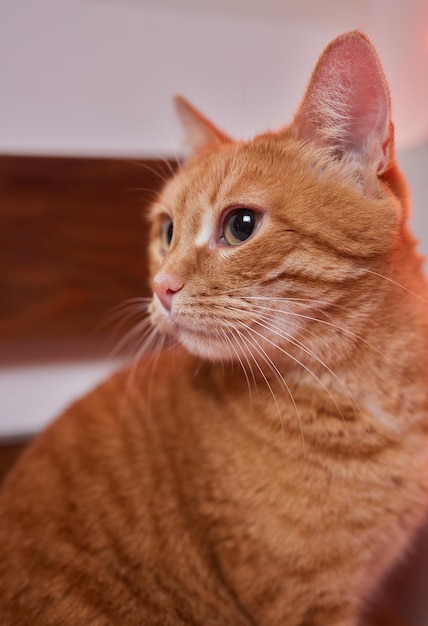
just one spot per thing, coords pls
(383, 617)
(72, 247)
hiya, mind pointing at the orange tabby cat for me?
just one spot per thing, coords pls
(272, 466)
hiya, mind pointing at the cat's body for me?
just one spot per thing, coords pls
(275, 476)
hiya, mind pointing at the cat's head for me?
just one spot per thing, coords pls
(263, 246)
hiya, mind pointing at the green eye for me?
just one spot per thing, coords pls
(167, 230)
(240, 225)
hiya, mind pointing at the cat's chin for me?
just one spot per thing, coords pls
(198, 342)
(216, 345)
(205, 347)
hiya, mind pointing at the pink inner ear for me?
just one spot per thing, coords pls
(347, 104)
(200, 132)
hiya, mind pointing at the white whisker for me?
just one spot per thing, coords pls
(151, 344)
(303, 301)
(269, 326)
(297, 343)
(335, 326)
(394, 282)
(234, 351)
(251, 340)
(161, 175)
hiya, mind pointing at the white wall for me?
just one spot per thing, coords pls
(414, 163)
(32, 396)
(97, 76)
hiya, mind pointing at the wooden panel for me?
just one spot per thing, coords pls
(72, 247)
(9, 453)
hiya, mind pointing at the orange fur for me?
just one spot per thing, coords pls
(272, 466)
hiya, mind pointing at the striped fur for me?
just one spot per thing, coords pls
(266, 462)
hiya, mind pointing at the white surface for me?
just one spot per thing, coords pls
(331, 11)
(414, 164)
(97, 76)
(30, 397)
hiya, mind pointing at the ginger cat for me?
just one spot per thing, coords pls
(272, 466)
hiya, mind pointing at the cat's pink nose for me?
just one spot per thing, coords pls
(165, 287)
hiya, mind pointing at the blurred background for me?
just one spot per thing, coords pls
(87, 132)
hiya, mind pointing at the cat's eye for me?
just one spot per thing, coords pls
(167, 230)
(240, 225)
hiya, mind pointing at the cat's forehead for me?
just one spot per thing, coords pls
(213, 182)
(233, 175)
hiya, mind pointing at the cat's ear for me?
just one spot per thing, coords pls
(347, 105)
(200, 132)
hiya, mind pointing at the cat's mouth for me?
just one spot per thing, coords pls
(201, 336)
